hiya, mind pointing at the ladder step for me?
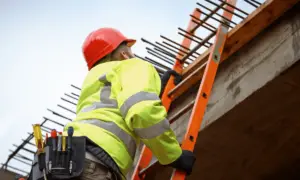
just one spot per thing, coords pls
(181, 112)
(187, 83)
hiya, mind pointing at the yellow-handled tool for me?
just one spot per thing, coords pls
(64, 143)
(37, 133)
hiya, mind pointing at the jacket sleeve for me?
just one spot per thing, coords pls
(142, 110)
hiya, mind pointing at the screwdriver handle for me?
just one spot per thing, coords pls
(54, 136)
(59, 143)
(70, 134)
(37, 133)
(64, 143)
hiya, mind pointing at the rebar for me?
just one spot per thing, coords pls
(193, 35)
(22, 161)
(179, 53)
(75, 87)
(75, 94)
(256, 2)
(31, 134)
(185, 52)
(252, 4)
(71, 96)
(21, 156)
(228, 20)
(45, 130)
(160, 56)
(66, 109)
(166, 53)
(234, 7)
(59, 115)
(25, 149)
(218, 20)
(199, 45)
(174, 42)
(210, 27)
(14, 168)
(148, 42)
(55, 122)
(68, 101)
(199, 42)
(28, 142)
(226, 9)
(169, 49)
(156, 64)
(207, 17)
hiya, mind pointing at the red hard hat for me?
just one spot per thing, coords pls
(101, 42)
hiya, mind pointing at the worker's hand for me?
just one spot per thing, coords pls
(185, 162)
(166, 76)
(177, 77)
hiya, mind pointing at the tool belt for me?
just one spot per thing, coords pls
(60, 165)
(53, 164)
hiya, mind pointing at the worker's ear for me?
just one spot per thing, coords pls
(126, 55)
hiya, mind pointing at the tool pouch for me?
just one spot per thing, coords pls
(60, 164)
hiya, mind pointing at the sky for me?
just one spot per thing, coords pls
(40, 52)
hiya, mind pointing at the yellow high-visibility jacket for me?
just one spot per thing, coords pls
(119, 106)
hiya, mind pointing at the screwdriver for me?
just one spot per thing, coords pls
(63, 148)
(53, 137)
(37, 133)
(58, 148)
(63, 143)
(46, 139)
(59, 141)
(70, 134)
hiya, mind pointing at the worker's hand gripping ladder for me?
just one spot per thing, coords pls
(204, 91)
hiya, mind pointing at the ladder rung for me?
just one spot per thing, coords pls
(188, 82)
(181, 112)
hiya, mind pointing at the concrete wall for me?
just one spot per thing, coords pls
(260, 61)
(257, 63)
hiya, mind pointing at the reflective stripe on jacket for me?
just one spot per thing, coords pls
(119, 106)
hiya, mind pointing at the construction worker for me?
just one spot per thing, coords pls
(119, 106)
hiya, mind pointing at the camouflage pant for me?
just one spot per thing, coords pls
(96, 171)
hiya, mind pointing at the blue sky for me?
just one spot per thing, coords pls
(40, 51)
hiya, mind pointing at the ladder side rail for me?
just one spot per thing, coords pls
(146, 154)
(204, 91)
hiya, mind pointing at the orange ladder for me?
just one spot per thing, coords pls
(204, 91)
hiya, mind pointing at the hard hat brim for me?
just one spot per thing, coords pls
(130, 42)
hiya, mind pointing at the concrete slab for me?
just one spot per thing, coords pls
(251, 127)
